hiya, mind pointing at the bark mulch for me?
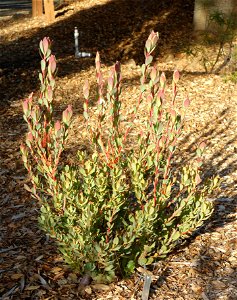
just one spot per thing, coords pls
(30, 265)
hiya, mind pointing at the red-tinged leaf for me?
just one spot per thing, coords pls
(176, 76)
(110, 82)
(30, 97)
(149, 98)
(45, 44)
(57, 126)
(202, 146)
(97, 61)
(198, 179)
(97, 57)
(117, 67)
(199, 160)
(50, 93)
(100, 79)
(86, 89)
(67, 114)
(35, 114)
(52, 63)
(161, 94)
(151, 35)
(25, 106)
(153, 73)
(186, 103)
(148, 45)
(101, 100)
(69, 108)
(29, 137)
(173, 113)
(44, 141)
(23, 152)
(154, 38)
(148, 60)
(162, 80)
(22, 148)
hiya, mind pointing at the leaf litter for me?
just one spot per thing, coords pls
(30, 265)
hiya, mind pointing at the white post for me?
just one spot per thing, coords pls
(79, 54)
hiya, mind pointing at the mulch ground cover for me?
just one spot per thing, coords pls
(30, 265)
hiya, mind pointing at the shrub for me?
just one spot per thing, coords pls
(216, 44)
(123, 203)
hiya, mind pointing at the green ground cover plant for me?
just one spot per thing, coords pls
(219, 39)
(123, 203)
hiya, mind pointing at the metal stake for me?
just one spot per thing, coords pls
(146, 287)
(79, 54)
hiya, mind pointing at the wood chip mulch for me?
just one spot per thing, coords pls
(30, 265)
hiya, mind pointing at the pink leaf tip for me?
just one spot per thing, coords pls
(57, 126)
(86, 89)
(186, 103)
(29, 137)
(198, 179)
(176, 76)
(202, 146)
(67, 114)
(45, 43)
(52, 63)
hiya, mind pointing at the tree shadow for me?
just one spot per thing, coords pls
(118, 29)
(211, 261)
(220, 217)
(209, 274)
(217, 164)
(103, 29)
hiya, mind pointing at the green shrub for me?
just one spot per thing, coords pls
(123, 203)
(216, 43)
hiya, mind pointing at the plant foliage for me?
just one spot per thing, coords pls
(219, 36)
(123, 204)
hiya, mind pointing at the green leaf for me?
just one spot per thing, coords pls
(143, 68)
(109, 267)
(151, 148)
(142, 261)
(143, 88)
(131, 266)
(175, 236)
(27, 188)
(149, 260)
(148, 45)
(116, 241)
(82, 171)
(43, 65)
(148, 60)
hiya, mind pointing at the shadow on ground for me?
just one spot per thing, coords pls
(118, 29)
